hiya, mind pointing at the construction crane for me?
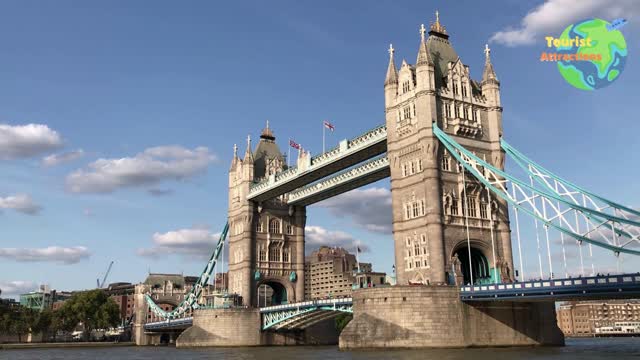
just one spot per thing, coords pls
(104, 279)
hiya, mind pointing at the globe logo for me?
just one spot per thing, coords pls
(591, 53)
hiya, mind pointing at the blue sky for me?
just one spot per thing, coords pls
(170, 88)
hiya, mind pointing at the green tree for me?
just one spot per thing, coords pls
(94, 309)
(342, 320)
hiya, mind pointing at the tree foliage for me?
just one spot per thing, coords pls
(342, 320)
(94, 309)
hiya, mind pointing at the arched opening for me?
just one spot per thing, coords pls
(271, 293)
(479, 266)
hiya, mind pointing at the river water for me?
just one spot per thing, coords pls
(583, 349)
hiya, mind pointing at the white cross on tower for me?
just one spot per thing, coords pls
(487, 51)
(391, 50)
(423, 30)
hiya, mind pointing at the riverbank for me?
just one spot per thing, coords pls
(64, 345)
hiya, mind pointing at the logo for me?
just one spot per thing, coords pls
(590, 54)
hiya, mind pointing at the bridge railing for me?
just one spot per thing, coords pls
(169, 323)
(578, 285)
(305, 304)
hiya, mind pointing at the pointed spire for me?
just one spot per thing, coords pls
(248, 156)
(235, 159)
(437, 28)
(424, 58)
(392, 72)
(267, 134)
(488, 73)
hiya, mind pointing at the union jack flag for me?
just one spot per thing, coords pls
(294, 144)
(329, 125)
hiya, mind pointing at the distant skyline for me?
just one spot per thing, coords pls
(118, 119)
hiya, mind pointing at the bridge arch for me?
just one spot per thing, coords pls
(272, 291)
(480, 262)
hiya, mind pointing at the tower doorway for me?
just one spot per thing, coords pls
(480, 268)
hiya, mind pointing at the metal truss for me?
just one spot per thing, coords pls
(369, 169)
(555, 211)
(345, 148)
(191, 299)
(282, 316)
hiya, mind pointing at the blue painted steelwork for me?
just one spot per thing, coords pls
(594, 287)
(279, 316)
(169, 324)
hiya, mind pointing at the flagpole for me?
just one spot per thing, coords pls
(358, 258)
(323, 137)
(289, 154)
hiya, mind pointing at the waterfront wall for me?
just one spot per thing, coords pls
(434, 316)
(241, 327)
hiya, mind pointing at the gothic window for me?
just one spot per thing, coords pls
(423, 238)
(285, 255)
(447, 110)
(418, 263)
(425, 263)
(445, 162)
(259, 226)
(483, 210)
(464, 91)
(404, 169)
(405, 87)
(274, 253)
(417, 248)
(474, 113)
(419, 165)
(466, 112)
(274, 226)
(469, 207)
(262, 254)
(454, 206)
(408, 211)
(422, 210)
(414, 109)
(413, 168)
(456, 110)
(455, 87)
(289, 229)
(406, 112)
(408, 240)
(415, 209)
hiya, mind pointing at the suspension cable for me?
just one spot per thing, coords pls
(465, 208)
(537, 234)
(493, 247)
(546, 234)
(515, 209)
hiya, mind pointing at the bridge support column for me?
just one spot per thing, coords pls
(434, 316)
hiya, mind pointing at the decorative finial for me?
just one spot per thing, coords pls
(235, 150)
(487, 51)
(437, 27)
(391, 50)
(423, 30)
(249, 141)
(267, 124)
(437, 17)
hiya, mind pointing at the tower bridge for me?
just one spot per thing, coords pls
(443, 149)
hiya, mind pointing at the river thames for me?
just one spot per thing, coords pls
(583, 349)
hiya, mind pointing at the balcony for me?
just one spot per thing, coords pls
(465, 127)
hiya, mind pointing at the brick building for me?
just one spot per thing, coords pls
(583, 318)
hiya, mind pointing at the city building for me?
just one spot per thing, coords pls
(43, 299)
(123, 294)
(588, 318)
(334, 272)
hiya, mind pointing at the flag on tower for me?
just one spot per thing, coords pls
(329, 125)
(294, 144)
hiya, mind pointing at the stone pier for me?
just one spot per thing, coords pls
(434, 316)
(241, 327)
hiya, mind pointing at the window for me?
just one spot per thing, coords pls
(464, 91)
(454, 206)
(285, 255)
(289, 229)
(274, 254)
(455, 88)
(274, 226)
(262, 254)
(405, 87)
(474, 113)
(456, 110)
(417, 248)
(415, 209)
(470, 206)
(406, 112)
(413, 168)
(404, 169)
(447, 110)
(422, 210)
(466, 112)
(419, 165)
(445, 162)
(259, 226)
(423, 237)
(408, 211)
(483, 210)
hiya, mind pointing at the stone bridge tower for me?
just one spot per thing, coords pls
(430, 194)
(266, 240)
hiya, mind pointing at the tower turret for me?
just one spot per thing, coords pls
(490, 83)
(425, 77)
(391, 81)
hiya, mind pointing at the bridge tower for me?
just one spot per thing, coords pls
(437, 210)
(266, 239)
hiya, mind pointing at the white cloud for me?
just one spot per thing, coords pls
(21, 203)
(316, 236)
(554, 15)
(196, 241)
(22, 141)
(56, 159)
(17, 287)
(369, 208)
(64, 255)
(152, 166)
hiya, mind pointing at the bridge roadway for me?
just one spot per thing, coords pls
(306, 313)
